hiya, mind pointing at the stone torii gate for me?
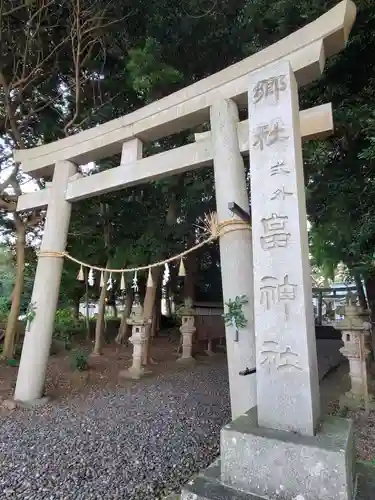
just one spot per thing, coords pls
(215, 99)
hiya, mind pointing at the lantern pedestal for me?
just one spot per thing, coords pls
(355, 330)
(187, 329)
(138, 339)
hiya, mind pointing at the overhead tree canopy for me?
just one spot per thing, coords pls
(109, 60)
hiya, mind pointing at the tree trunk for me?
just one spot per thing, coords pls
(154, 323)
(123, 329)
(370, 291)
(87, 308)
(157, 312)
(99, 328)
(168, 309)
(76, 308)
(114, 307)
(191, 272)
(11, 329)
(148, 308)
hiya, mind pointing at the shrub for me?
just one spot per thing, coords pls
(5, 304)
(4, 310)
(12, 362)
(66, 326)
(18, 351)
(80, 361)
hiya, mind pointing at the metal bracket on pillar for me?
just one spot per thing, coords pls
(247, 371)
(240, 212)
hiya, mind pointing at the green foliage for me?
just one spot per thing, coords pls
(13, 362)
(64, 316)
(149, 75)
(235, 316)
(30, 314)
(18, 351)
(7, 276)
(79, 361)
(340, 171)
(7, 279)
(66, 327)
(134, 63)
(29, 273)
(4, 309)
(7, 272)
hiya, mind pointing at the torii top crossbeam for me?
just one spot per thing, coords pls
(306, 50)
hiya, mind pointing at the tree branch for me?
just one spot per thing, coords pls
(7, 180)
(35, 218)
(9, 206)
(34, 73)
(10, 112)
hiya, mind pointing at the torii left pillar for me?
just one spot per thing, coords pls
(235, 251)
(38, 335)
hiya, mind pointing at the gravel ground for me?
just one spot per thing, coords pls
(138, 442)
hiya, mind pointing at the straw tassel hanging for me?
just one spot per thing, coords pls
(135, 282)
(101, 280)
(122, 283)
(110, 282)
(81, 276)
(166, 274)
(150, 281)
(91, 278)
(182, 270)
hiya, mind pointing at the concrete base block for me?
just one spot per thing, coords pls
(134, 374)
(35, 403)
(202, 488)
(365, 481)
(207, 486)
(285, 466)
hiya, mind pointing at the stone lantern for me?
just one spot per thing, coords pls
(355, 329)
(138, 339)
(187, 329)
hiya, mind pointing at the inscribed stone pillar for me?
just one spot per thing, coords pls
(38, 335)
(287, 374)
(235, 251)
